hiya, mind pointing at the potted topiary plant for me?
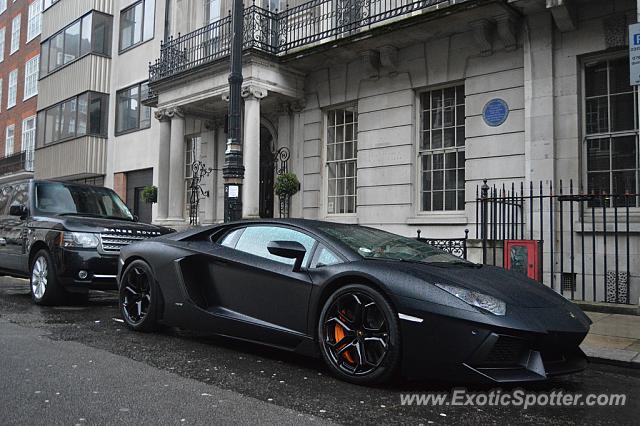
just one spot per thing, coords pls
(150, 194)
(285, 186)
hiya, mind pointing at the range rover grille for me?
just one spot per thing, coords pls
(113, 242)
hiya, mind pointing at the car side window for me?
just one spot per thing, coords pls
(231, 238)
(20, 196)
(324, 257)
(255, 239)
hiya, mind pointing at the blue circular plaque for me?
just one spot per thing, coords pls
(495, 112)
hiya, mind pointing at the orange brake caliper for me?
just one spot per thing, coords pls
(339, 335)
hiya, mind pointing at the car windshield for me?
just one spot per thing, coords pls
(79, 200)
(377, 244)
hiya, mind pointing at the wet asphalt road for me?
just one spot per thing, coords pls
(271, 385)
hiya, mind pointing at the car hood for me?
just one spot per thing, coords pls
(93, 224)
(515, 289)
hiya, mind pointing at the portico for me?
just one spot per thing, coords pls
(198, 111)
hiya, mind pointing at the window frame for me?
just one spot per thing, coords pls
(31, 20)
(3, 6)
(42, 118)
(142, 25)
(32, 135)
(11, 127)
(12, 93)
(420, 153)
(140, 107)
(327, 162)
(3, 32)
(91, 51)
(46, 4)
(33, 75)
(610, 134)
(15, 34)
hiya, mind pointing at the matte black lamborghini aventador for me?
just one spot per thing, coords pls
(369, 302)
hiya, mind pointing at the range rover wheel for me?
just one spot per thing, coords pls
(45, 289)
(139, 297)
(359, 335)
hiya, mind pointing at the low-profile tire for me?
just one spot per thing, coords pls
(139, 297)
(45, 288)
(359, 335)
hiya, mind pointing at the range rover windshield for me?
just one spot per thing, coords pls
(65, 199)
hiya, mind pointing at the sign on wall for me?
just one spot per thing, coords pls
(495, 112)
(634, 54)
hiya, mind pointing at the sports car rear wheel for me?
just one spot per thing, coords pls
(359, 335)
(138, 297)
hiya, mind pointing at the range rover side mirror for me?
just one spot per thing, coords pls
(289, 250)
(18, 210)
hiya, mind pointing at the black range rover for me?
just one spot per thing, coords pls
(65, 237)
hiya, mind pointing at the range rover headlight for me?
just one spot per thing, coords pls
(474, 298)
(81, 240)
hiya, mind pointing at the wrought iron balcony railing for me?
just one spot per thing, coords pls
(311, 23)
(19, 162)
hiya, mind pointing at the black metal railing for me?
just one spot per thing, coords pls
(454, 246)
(277, 33)
(587, 238)
(21, 161)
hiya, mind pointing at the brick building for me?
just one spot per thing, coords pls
(20, 23)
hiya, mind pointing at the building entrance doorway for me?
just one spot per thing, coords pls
(267, 172)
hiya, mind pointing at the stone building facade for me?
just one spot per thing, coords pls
(393, 112)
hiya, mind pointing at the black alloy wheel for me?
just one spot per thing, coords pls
(137, 296)
(359, 335)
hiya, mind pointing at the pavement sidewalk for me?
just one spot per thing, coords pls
(614, 339)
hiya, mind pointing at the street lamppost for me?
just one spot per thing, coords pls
(233, 170)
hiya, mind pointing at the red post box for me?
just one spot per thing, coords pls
(524, 256)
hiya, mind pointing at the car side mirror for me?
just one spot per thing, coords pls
(18, 210)
(289, 250)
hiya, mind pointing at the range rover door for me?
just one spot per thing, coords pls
(15, 227)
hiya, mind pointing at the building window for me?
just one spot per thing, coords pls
(31, 77)
(35, 20)
(137, 23)
(15, 34)
(12, 89)
(611, 122)
(29, 140)
(8, 141)
(3, 6)
(2, 32)
(211, 11)
(1, 85)
(341, 155)
(81, 115)
(130, 113)
(89, 34)
(46, 4)
(441, 151)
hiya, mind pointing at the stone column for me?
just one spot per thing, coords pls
(251, 151)
(176, 166)
(163, 165)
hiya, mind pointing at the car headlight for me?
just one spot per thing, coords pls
(474, 298)
(81, 239)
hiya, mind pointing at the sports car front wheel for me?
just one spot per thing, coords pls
(359, 335)
(139, 297)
